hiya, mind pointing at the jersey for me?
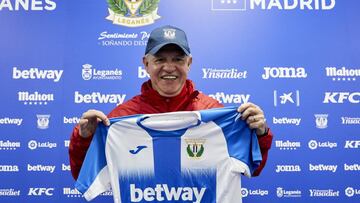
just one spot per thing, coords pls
(190, 156)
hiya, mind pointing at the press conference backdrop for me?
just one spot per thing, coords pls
(297, 59)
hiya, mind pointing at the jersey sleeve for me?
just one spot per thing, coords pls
(242, 142)
(94, 176)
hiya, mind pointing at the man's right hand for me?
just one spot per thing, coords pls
(89, 120)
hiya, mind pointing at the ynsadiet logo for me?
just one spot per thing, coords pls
(226, 73)
(90, 73)
(324, 193)
(342, 74)
(284, 72)
(350, 120)
(9, 192)
(37, 74)
(284, 5)
(230, 98)
(133, 13)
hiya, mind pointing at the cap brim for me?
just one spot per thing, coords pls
(158, 47)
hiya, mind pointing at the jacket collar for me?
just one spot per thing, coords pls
(179, 102)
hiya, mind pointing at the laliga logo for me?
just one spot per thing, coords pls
(312, 144)
(133, 13)
(244, 192)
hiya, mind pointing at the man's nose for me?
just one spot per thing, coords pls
(169, 66)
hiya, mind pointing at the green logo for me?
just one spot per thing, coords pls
(195, 148)
(133, 13)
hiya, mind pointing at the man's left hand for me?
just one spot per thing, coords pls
(254, 117)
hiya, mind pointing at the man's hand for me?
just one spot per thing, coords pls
(254, 117)
(89, 120)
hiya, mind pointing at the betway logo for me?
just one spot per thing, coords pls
(72, 120)
(142, 73)
(97, 97)
(65, 167)
(230, 98)
(11, 121)
(353, 167)
(162, 192)
(293, 4)
(32, 5)
(323, 167)
(35, 73)
(287, 168)
(284, 72)
(341, 97)
(213, 73)
(41, 168)
(287, 121)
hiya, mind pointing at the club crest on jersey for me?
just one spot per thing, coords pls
(195, 147)
(133, 13)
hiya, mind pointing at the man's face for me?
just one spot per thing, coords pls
(168, 70)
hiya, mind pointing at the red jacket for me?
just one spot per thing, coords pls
(150, 101)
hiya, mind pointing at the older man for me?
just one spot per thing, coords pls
(167, 60)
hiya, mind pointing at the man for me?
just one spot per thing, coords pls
(167, 60)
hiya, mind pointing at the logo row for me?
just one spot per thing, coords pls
(89, 72)
(316, 168)
(7, 145)
(281, 192)
(313, 144)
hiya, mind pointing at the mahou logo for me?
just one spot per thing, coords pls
(342, 74)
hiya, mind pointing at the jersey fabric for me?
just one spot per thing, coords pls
(193, 156)
(151, 102)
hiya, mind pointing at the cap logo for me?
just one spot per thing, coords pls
(169, 33)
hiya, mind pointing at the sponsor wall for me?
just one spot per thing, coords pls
(297, 59)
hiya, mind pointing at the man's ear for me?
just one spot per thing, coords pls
(146, 63)
(189, 62)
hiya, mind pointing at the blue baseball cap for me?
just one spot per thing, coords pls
(167, 35)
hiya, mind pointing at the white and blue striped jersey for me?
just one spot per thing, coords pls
(191, 156)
